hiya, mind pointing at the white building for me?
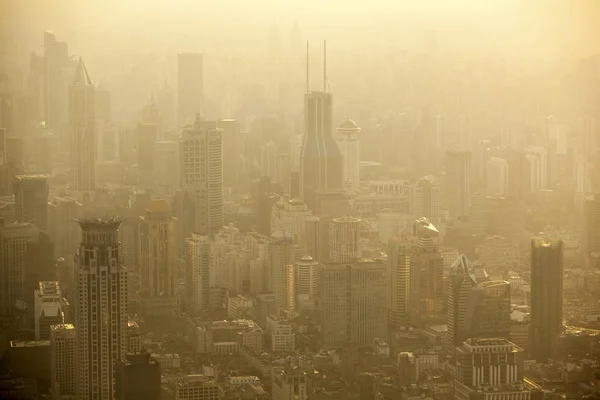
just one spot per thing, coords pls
(289, 384)
(344, 237)
(196, 387)
(350, 149)
(282, 335)
(63, 359)
(201, 173)
(101, 308)
(497, 176)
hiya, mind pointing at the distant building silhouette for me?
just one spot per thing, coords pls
(138, 378)
(190, 86)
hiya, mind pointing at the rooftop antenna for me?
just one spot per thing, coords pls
(324, 66)
(307, 69)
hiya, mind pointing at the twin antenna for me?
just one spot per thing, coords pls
(324, 67)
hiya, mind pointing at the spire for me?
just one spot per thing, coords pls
(81, 75)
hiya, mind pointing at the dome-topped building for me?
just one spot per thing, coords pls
(350, 150)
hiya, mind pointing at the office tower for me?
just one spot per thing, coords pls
(491, 369)
(63, 228)
(48, 311)
(231, 146)
(427, 198)
(147, 136)
(38, 265)
(184, 210)
(344, 237)
(266, 201)
(201, 174)
(350, 148)
(82, 123)
(31, 200)
(265, 304)
(198, 273)
(317, 238)
(487, 314)
(138, 378)
(546, 296)
(134, 344)
(63, 358)
(537, 159)
(281, 256)
(196, 387)
(101, 308)
(289, 384)
(290, 215)
(190, 87)
(457, 188)
(158, 267)
(166, 168)
(427, 277)
(268, 161)
(591, 231)
(496, 179)
(321, 163)
(14, 240)
(460, 282)
(129, 237)
(108, 143)
(56, 57)
(307, 283)
(400, 252)
(283, 339)
(352, 303)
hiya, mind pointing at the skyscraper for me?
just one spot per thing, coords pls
(427, 277)
(14, 240)
(231, 145)
(56, 57)
(487, 314)
(400, 252)
(350, 152)
(147, 135)
(201, 173)
(344, 237)
(31, 199)
(281, 257)
(427, 198)
(166, 168)
(63, 358)
(48, 311)
(198, 273)
(321, 163)
(546, 296)
(352, 303)
(158, 267)
(190, 86)
(83, 133)
(291, 216)
(307, 283)
(591, 230)
(457, 188)
(101, 308)
(317, 238)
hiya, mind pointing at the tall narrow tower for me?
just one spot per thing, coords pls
(83, 133)
(351, 152)
(101, 308)
(321, 163)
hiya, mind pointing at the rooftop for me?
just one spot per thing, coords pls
(29, 343)
(100, 223)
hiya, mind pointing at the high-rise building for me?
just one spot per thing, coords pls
(38, 264)
(14, 240)
(63, 228)
(496, 180)
(289, 384)
(281, 257)
(290, 215)
(546, 296)
(198, 273)
(457, 188)
(147, 135)
(31, 200)
(344, 239)
(591, 230)
(307, 283)
(460, 282)
(487, 314)
(82, 123)
(350, 148)
(48, 310)
(158, 259)
(317, 238)
(201, 173)
(489, 368)
(352, 303)
(400, 252)
(63, 358)
(268, 161)
(231, 145)
(56, 57)
(190, 86)
(166, 168)
(101, 308)
(321, 163)
(427, 198)
(138, 378)
(427, 277)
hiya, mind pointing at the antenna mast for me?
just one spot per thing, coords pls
(324, 66)
(307, 69)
